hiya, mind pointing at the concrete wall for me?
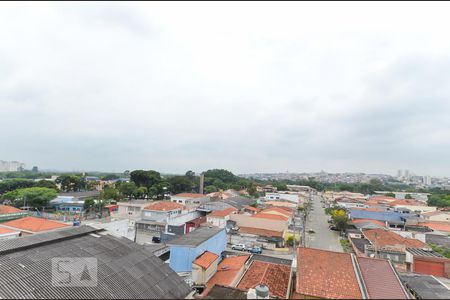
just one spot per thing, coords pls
(201, 275)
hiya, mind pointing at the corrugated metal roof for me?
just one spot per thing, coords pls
(421, 252)
(125, 269)
(196, 237)
(425, 286)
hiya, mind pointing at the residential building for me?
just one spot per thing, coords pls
(72, 202)
(291, 197)
(122, 268)
(427, 262)
(392, 219)
(229, 271)
(425, 286)
(204, 267)
(442, 216)
(31, 225)
(409, 205)
(277, 277)
(131, 210)
(185, 249)
(219, 218)
(335, 275)
(10, 213)
(190, 198)
(11, 166)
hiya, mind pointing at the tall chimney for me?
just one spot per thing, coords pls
(202, 183)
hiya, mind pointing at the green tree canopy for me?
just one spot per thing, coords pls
(38, 197)
(179, 184)
(71, 183)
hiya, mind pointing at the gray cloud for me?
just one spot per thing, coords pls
(298, 87)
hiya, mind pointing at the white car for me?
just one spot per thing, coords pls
(240, 247)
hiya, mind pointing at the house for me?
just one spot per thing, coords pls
(277, 277)
(291, 197)
(72, 202)
(281, 204)
(185, 249)
(263, 215)
(442, 216)
(279, 211)
(335, 275)
(412, 206)
(219, 218)
(436, 226)
(225, 292)
(251, 210)
(392, 219)
(10, 213)
(161, 211)
(122, 269)
(190, 198)
(427, 262)
(425, 286)
(229, 271)
(368, 223)
(350, 202)
(195, 223)
(32, 225)
(389, 245)
(204, 267)
(131, 210)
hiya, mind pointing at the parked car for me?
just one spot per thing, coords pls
(240, 247)
(156, 239)
(334, 228)
(255, 250)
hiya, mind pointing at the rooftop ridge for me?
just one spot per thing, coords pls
(39, 239)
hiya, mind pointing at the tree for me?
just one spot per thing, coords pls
(89, 204)
(47, 183)
(110, 193)
(71, 183)
(145, 178)
(390, 195)
(408, 196)
(140, 192)
(180, 184)
(110, 177)
(14, 184)
(128, 189)
(439, 200)
(38, 197)
(340, 219)
(223, 175)
(252, 190)
(210, 189)
(280, 186)
(190, 174)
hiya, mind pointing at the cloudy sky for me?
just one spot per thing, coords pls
(250, 87)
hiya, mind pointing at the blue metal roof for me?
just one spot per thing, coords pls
(379, 215)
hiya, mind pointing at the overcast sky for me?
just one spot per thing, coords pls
(250, 87)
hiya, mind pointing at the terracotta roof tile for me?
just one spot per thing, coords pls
(4, 230)
(380, 279)
(226, 273)
(326, 274)
(400, 202)
(190, 195)
(437, 226)
(164, 206)
(6, 209)
(383, 238)
(379, 223)
(222, 213)
(270, 216)
(275, 276)
(252, 208)
(206, 259)
(282, 210)
(34, 224)
(260, 231)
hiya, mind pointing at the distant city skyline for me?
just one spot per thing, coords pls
(268, 87)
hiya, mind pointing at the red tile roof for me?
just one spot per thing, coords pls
(270, 216)
(326, 274)
(252, 208)
(222, 213)
(383, 237)
(164, 206)
(379, 223)
(227, 271)
(4, 230)
(6, 209)
(282, 210)
(407, 202)
(206, 259)
(275, 276)
(437, 226)
(261, 232)
(34, 224)
(190, 195)
(380, 280)
(382, 198)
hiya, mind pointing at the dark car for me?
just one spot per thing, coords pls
(156, 239)
(334, 228)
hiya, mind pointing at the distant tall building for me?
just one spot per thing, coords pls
(399, 173)
(427, 180)
(406, 173)
(11, 166)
